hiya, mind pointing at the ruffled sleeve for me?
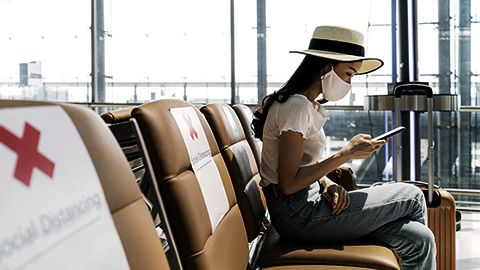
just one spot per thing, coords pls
(295, 116)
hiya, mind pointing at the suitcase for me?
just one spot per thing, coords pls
(441, 205)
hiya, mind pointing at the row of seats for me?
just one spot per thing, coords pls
(244, 238)
(130, 215)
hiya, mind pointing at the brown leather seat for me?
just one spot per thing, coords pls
(130, 215)
(239, 159)
(200, 246)
(125, 130)
(358, 254)
(241, 165)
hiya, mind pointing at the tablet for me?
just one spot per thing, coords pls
(389, 134)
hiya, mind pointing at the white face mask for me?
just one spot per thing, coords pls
(333, 87)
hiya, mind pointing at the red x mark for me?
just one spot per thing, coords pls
(193, 132)
(27, 155)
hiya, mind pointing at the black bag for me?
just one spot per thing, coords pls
(344, 177)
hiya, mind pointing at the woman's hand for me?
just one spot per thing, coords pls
(361, 146)
(336, 195)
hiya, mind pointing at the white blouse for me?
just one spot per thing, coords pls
(297, 114)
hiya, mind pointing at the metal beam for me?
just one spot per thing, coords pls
(407, 40)
(261, 49)
(394, 41)
(446, 151)
(98, 51)
(232, 53)
(464, 52)
(464, 89)
(444, 46)
(408, 72)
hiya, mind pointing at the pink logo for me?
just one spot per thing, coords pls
(193, 132)
(28, 156)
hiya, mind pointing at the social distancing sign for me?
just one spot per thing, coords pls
(202, 163)
(54, 212)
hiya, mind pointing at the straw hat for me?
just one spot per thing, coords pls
(341, 44)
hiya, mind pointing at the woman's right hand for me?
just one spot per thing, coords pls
(361, 146)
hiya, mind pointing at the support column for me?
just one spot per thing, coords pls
(261, 50)
(444, 46)
(446, 151)
(407, 40)
(98, 52)
(408, 72)
(232, 53)
(464, 87)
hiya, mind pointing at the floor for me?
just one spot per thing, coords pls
(468, 242)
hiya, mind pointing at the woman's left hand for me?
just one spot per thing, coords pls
(337, 196)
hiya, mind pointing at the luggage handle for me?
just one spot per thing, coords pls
(413, 89)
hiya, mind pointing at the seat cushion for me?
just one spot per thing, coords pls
(370, 255)
(314, 267)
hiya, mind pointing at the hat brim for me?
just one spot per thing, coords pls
(368, 64)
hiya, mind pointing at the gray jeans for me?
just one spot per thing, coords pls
(394, 214)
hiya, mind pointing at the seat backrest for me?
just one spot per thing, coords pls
(123, 131)
(132, 220)
(240, 161)
(201, 205)
(245, 115)
(117, 116)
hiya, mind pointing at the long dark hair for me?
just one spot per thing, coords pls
(307, 72)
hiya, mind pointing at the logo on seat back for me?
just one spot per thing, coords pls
(28, 156)
(193, 132)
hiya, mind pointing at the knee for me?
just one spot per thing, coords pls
(413, 191)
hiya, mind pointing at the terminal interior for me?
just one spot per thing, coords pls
(117, 67)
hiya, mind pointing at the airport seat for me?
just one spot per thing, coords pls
(125, 130)
(238, 157)
(240, 161)
(245, 115)
(200, 245)
(130, 215)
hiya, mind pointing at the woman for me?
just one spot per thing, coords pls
(303, 203)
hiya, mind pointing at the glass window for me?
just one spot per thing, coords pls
(175, 49)
(428, 43)
(456, 149)
(45, 53)
(345, 124)
(246, 69)
(475, 53)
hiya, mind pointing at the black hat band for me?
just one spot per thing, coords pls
(336, 46)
